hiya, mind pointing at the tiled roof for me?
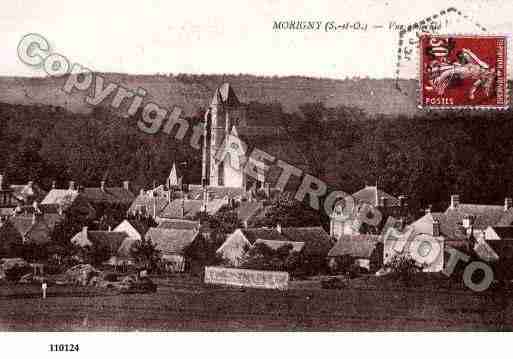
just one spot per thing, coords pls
(108, 240)
(52, 219)
(159, 191)
(450, 226)
(359, 246)
(485, 251)
(28, 192)
(124, 250)
(507, 218)
(48, 213)
(4, 212)
(138, 225)
(248, 210)
(296, 246)
(63, 197)
(30, 230)
(111, 195)
(22, 223)
(317, 241)
(370, 193)
(504, 232)
(178, 224)
(485, 215)
(171, 241)
(451, 221)
(41, 208)
(191, 208)
(214, 192)
(225, 95)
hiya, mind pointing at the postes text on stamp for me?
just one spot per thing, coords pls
(462, 71)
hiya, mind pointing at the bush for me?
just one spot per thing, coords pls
(404, 266)
(15, 272)
(262, 257)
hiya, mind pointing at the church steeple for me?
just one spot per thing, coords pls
(224, 112)
(174, 180)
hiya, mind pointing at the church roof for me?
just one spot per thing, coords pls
(224, 95)
(372, 195)
(173, 178)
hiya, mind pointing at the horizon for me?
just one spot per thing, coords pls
(175, 74)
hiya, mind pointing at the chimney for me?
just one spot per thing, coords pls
(30, 184)
(428, 210)
(72, 185)
(436, 228)
(508, 203)
(102, 186)
(60, 210)
(142, 192)
(1, 182)
(468, 221)
(205, 200)
(126, 185)
(110, 228)
(455, 201)
(278, 228)
(403, 199)
(84, 232)
(384, 201)
(182, 209)
(35, 205)
(54, 184)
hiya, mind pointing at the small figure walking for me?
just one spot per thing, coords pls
(43, 287)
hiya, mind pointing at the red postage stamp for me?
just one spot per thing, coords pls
(463, 71)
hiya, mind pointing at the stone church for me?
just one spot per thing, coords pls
(226, 116)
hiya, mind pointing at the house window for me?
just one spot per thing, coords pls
(6, 199)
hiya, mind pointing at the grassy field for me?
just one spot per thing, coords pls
(186, 304)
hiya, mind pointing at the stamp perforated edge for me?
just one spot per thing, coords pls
(507, 38)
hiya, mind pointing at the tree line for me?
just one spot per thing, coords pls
(427, 156)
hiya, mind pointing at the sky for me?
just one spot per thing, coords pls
(228, 36)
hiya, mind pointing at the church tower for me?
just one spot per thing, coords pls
(225, 111)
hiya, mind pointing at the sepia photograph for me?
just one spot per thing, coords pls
(263, 167)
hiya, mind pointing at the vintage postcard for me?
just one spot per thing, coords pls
(235, 166)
